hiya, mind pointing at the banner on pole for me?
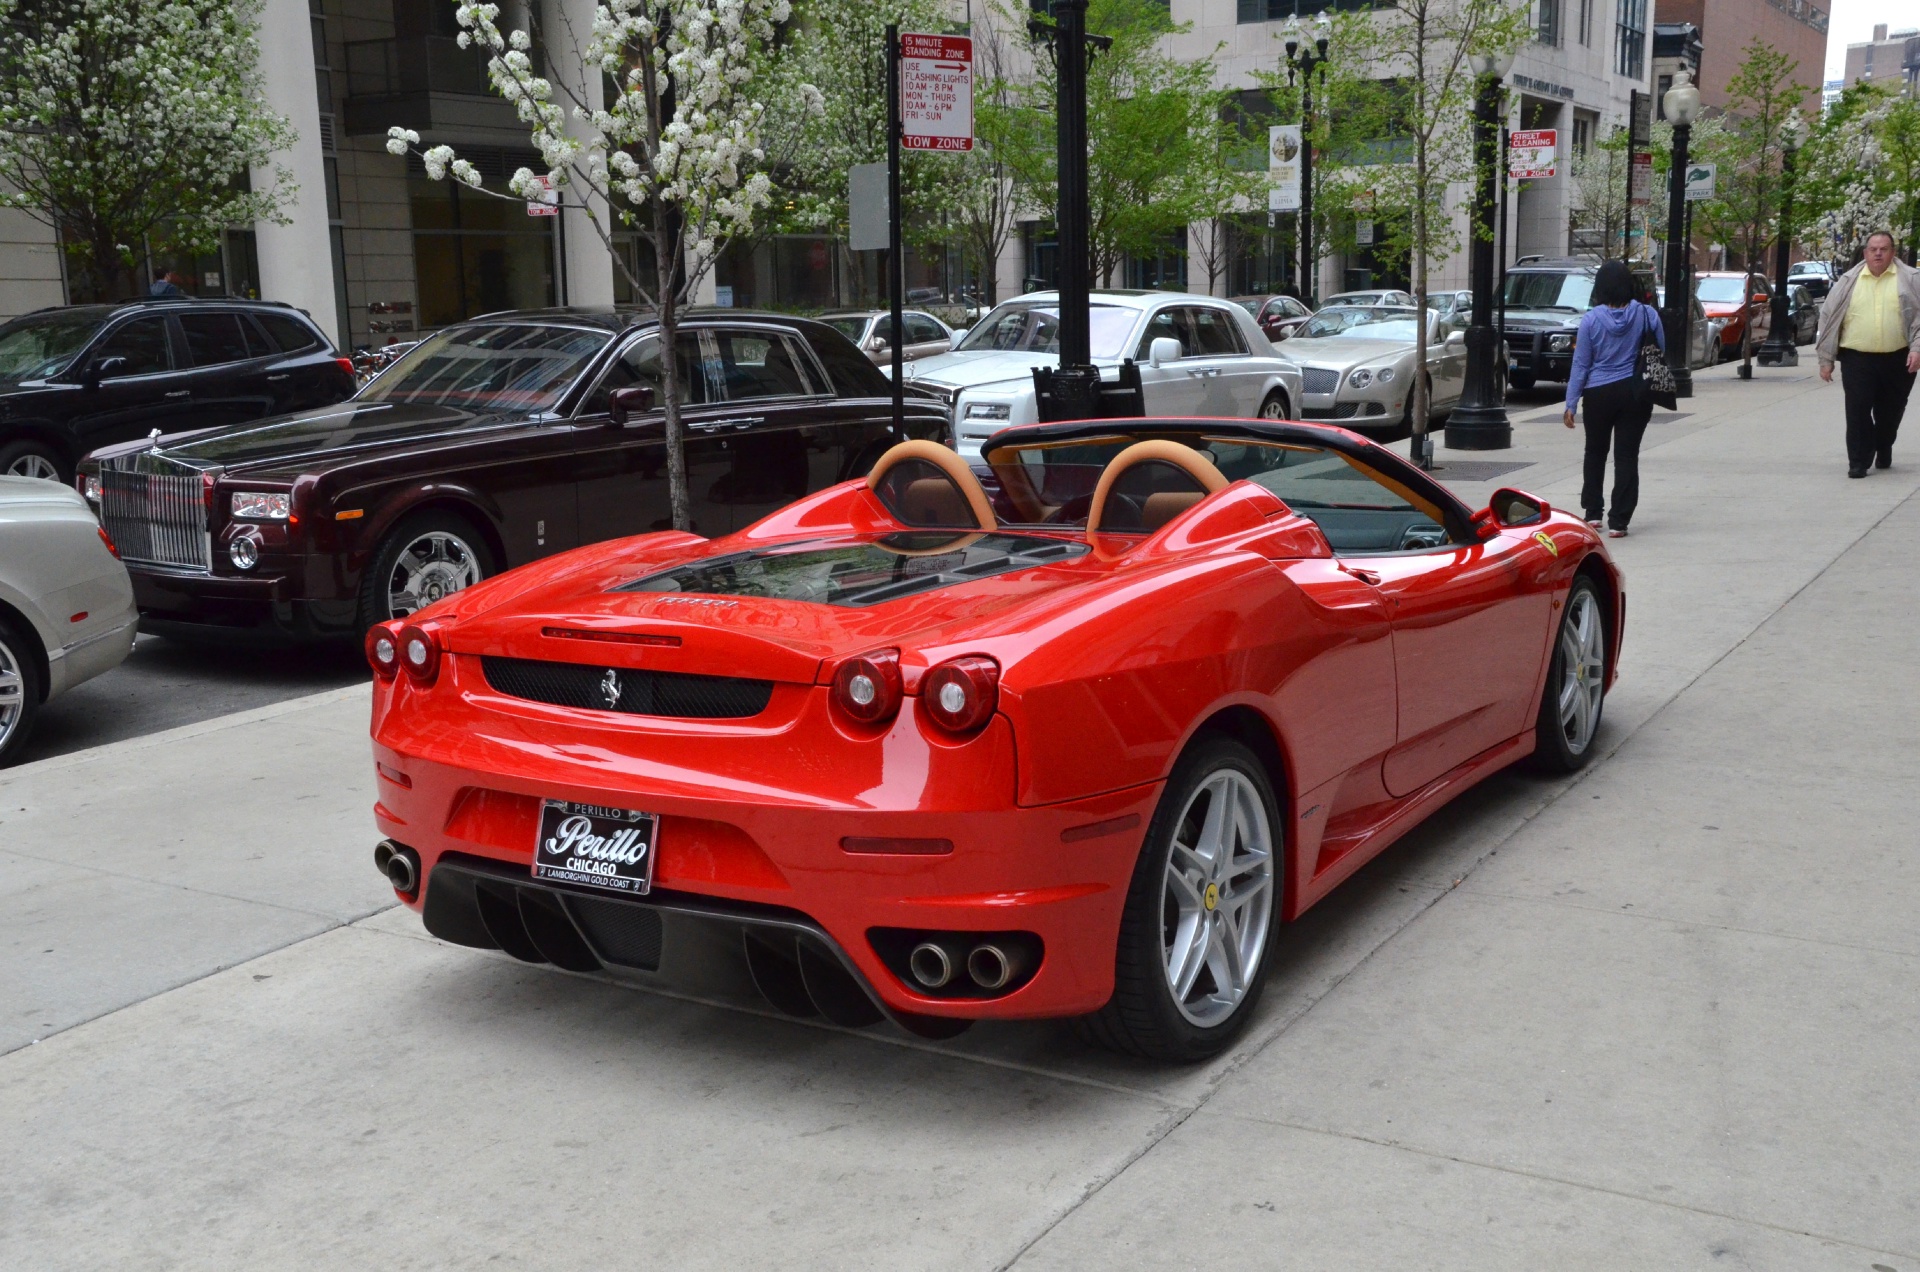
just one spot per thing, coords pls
(1640, 178)
(1283, 168)
(936, 92)
(1533, 154)
(1700, 177)
(867, 207)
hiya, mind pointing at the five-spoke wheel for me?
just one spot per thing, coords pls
(1576, 688)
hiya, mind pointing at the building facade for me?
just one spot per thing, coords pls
(1797, 28)
(1890, 57)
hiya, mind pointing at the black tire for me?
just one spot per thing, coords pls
(376, 604)
(1275, 407)
(20, 689)
(29, 458)
(1558, 748)
(1520, 381)
(1142, 1018)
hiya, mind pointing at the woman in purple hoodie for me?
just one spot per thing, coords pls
(1605, 355)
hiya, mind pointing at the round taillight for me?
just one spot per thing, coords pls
(419, 654)
(960, 694)
(867, 687)
(383, 651)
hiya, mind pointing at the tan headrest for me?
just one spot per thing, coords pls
(1185, 458)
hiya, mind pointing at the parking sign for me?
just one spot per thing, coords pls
(936, 92)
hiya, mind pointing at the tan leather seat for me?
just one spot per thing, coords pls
(1163, 506)
(1157, 451)
(923, 484)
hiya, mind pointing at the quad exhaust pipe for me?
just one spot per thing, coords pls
(990, 965)
(931, 965)
(400, 864)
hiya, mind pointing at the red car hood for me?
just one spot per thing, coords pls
(572, 609)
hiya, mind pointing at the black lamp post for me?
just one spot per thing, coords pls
(1780, 349)
(1304, 61)
(1479, 422)
(1682, 106)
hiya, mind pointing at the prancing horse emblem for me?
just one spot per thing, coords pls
(610, 688)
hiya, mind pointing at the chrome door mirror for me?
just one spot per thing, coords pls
(624, 404)
(1164, 349)
(104, 369)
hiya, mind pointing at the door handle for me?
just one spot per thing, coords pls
(180, 393)
(1365, 576)
(275, 379)
(740, 421)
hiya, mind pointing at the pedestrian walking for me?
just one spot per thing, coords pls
(1606, 366)
(1870, 325)
(167, 286)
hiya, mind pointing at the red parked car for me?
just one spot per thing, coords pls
(1075, 733)
(1719, 295)
(1278, 316)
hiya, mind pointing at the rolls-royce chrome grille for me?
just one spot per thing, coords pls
(157, 519)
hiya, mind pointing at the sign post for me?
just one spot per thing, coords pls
(1533, 154)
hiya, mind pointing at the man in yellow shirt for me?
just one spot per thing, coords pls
(1870, 324)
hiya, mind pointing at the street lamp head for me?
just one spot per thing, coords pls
(1291, 33)
(1322, 32)
(1682, 102)
(1492, 63)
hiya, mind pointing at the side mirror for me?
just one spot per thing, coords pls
(1163, 349)
(1456, 339)
(105, 369)
(953, 341)
(623, 404)
(1510, 507)
(877, 344)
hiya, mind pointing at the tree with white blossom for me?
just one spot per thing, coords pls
(133, 127)
(677, 150)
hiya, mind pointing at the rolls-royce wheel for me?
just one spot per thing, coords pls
(19, 690)
(33, 459)
(1275, 407)
(1576, 687)
(1196, 932)
(426, 557)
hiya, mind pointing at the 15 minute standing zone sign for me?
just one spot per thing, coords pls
(936, 92)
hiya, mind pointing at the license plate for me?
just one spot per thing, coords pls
(609, 848)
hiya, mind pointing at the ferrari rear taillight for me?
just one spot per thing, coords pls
(383, 651)
(867, 687)
(419, 655)
(960, 694)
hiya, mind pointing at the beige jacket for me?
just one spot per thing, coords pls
(1834, 312)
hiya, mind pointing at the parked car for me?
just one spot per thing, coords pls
(492, 443)
(1357, 364)
(1376, 296)
(1197, 356)
(1703, 342)
(1803, 311)
(66, 605)
(85, 376)
(1720, 292)
(934, 752)
(1815, 276)
(1278, 316)
(1546, 298)
(871, 330)
(1454, 307)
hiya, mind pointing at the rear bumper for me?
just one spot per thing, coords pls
(756, 838)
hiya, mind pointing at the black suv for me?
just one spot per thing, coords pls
(84, 376)
(1546, 298)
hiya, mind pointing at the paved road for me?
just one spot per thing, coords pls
(1661, 1016)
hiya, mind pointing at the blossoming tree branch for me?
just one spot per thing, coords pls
(660, 131)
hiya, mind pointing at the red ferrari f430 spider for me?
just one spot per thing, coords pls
(1075, 732)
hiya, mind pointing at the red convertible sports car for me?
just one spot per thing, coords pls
(1075, 733)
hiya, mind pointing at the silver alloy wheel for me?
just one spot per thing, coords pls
(1216, 897)
(433, 565)
(32, 465)
(13, 693)
(1583, 663)
(1274, 408)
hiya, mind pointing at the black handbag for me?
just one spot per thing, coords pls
(1653, 381)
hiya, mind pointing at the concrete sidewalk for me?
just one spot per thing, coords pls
(1661, 1016)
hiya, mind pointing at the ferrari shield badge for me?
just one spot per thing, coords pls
(1545, 540)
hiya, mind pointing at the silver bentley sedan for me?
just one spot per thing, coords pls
(66, 604)
(1356, 367)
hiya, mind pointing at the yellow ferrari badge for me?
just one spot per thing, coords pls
(1212, 898)
(1545, 540)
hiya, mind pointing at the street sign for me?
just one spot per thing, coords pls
(1700, 181)
(545, 200)
(867, 207)
(1363, 233)
(1283, 168)
(1640, 177)
(1532, 154)
(936, 92)
(1640, 119)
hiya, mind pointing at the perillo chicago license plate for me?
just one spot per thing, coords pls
(608, 848)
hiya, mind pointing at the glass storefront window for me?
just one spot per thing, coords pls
(475, 254)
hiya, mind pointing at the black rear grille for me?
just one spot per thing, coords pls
(625, 689)
(621, 932)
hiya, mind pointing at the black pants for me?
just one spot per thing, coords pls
(1876, 385)
(1613, 419)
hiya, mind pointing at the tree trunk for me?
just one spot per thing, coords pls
(678, 500)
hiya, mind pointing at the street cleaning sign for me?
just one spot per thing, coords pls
(1533, 155)
(1700, 178)
(936, 92)
(545, 200)
(1640, 177)
(1283, 168)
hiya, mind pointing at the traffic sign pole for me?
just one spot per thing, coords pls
(896, 267)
